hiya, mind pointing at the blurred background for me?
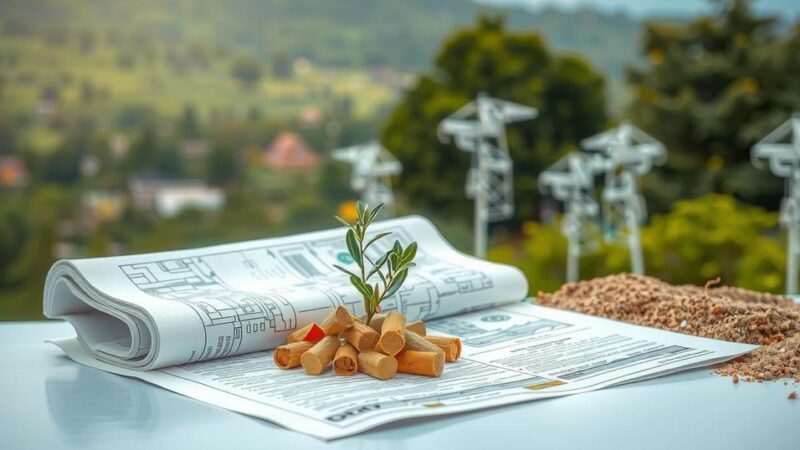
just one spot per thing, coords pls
(152, 125)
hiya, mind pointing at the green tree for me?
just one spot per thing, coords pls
(189, 123)
(281, 65)
(144, 152)
(14, 231)
(514, 66)
(170, 162)
(247, 71)
(711, 89)
(222, 167)
(63, 164)
(698, 240)
(27, 274)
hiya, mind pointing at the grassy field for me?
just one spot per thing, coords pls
(158, 85)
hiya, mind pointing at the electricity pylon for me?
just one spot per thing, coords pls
(479, 129)
(571, 181)
(781, 148)
(373, 167)
(625, 153)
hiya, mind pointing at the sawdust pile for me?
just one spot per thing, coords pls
(721, 312)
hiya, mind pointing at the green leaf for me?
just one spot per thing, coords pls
(375, 238)
(410, 252)
(375, 212)
(359, 230)
(344, 222)
(360, 207)
(397, 248)
(382, 260)
(364, 289)
(376, 266)
(396, 283)
(375, 297)
(352, 247)
(342, 269)
(404, 260)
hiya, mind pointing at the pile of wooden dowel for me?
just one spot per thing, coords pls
(382, 348)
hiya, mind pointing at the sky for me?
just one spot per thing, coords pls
(644, 8)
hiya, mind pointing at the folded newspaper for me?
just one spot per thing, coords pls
(201, 322)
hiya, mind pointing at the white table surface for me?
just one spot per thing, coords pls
(48, 401)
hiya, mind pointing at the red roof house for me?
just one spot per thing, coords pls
(13, 172)
(289, 151)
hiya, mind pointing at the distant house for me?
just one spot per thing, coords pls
(169, 197)
(13, 172)
(171, 201)
(289, 151)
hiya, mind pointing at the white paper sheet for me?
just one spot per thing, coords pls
(511, 354)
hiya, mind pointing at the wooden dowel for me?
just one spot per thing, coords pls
(418, 327)
(450, 345)
(393, 332)
(316, 359)
(288, 356)
(361, 336)
(311, 332)
(420, 363)
(337, 321)
(346, 360)
(418, 343)
(377, 321)
(377, 364)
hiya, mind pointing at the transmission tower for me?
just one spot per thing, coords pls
(781, 149)
(373, 167)
(479, 129)
(624, 153)
(571, 181)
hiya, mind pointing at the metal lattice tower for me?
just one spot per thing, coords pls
(373, 167)
(781, 148)
(571, 181)
(479, 129)
(625, 153)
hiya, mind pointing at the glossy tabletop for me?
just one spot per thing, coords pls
(48, 401)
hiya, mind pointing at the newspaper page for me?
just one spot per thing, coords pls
(511, 354)
(161, 309)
